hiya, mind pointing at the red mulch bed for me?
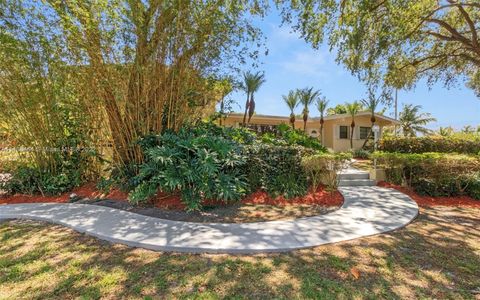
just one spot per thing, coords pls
(88, 190)
(320, 197)
(428, 201)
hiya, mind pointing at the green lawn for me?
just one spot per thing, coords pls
(438, 255)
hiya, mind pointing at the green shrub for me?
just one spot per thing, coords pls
(197, 162)
(286, 136)
(276, 169)
(361, 154)
(324, 168)
(433, 174)
(458, 143)
(30, 180)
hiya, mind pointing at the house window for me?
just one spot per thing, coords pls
(364, 131)
(344, 132)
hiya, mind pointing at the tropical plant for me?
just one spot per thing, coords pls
(324, 168)
(251, 84)
(413, 121)
(197, 162)
(292, 100)
(402, 40)
(276, 169)
(292, 137)
(445, 131)
(338, 109)
(371, 104)
(137, 66)
(322, 104)
(352, 110)
(307, 97)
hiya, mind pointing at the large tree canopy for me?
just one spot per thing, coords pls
(402, 40)
(141, 66)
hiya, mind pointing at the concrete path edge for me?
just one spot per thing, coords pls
(366, 211)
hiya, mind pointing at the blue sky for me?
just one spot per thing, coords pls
(292, 63)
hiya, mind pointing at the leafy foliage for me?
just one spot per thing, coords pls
(361, 153)
(324, 168)
(287, 136)
(137, 66)
(397, 41)
(31, 180)
(455, 143)
(276, 169)
(307, 97)
(217, 163)
(413, 121)
(251, 85)
(194, 162)
(292, 100)
(433, 174)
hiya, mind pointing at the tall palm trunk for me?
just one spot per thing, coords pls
(373, 120)
(305, 118)
(247, 104)
(321, 129)
(352, 126)
(292, 120)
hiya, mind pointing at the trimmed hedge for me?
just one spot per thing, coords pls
(433, 174)
(466, 144)
(276, 169)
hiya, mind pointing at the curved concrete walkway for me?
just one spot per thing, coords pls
(366, 211)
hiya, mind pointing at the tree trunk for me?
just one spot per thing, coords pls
(368, 136)
(321, 134)
(305, 118)
(351, 135)
(246, 110)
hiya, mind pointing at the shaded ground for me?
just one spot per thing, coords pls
(362, 164)
(235, 213)
(429, 201)
(256, 207)
(437, 256)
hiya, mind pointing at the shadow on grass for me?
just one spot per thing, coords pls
(437, 256)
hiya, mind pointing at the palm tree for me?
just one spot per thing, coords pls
(337, 110)
(371, 105)
(468, 129)
(292, 100)
(413, 121)
(445, 131)
(352, 110)
(322, 104)
(251, 84)
(307, 97)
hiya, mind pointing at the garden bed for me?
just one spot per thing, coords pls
(256, 207)
(428, 201)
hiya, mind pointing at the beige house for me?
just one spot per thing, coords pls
(336, 129)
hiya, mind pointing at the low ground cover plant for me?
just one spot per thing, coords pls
(433, 174)
(457, 143)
